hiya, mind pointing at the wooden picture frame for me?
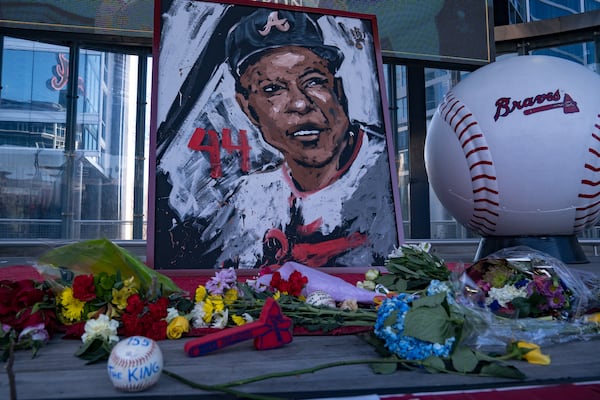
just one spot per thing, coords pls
(270, 139)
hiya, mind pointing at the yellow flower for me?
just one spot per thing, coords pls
(177, 327)
(72, 308)
(200, 293)
(238, 320)
(532, 353)
(277, 295)
(208, 311)
(120, 296)
(595, 317)
(217, 302)
(230, 296)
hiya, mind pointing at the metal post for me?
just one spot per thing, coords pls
(140, 136)
(67, 214)
(420, 225)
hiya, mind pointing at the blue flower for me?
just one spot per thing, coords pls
(392, 332)
(436, 286)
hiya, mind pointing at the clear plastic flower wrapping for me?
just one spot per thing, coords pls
(492, 330)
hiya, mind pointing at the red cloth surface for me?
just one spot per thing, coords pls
(589, 391)
(19, 272)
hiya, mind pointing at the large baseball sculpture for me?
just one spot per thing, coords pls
(514, 149)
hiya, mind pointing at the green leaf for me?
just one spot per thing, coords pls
(464, 359)
(387, 280)
(94, 350)
(430, 324)
(384, 368)
(502, 371)
(522, 306)
(434, 364)
(429, 301)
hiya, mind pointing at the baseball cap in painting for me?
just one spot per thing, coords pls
(266, 29)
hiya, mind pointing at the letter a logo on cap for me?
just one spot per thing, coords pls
(273, 20)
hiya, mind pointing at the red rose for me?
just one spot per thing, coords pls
(17, 301)
(158, 330)
(276, 279)
(75, 331)
(83, 287)
(158, 309)
(297, 282)
(135, 305)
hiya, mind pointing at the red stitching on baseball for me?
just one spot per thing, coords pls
(476, 150)
(454, 116)
(588, 206)
(478, 163)
(590, 183)
(483, 176)
(587, 215)
(466, 129)
(486, 201)
(487, 210)
(485, 189)
(479, 217)
(478, 157)
(588, 196)
(451, 107)
(471, 138)
(462, 119)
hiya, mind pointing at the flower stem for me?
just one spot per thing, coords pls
(218, 388)
(308, 370)
(10, 371)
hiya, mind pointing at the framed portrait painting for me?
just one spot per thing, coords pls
(270, 139)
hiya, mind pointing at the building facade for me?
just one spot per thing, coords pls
(73, 157)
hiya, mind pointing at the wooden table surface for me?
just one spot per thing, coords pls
(57, 374)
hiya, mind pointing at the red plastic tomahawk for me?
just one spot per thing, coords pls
(272, 330)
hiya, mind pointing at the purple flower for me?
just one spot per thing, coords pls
(223, 280)
(557, 300)
(37, 333)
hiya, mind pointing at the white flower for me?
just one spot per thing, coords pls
(220, 319)
(197, 315)
(367, 285)
(172, 312)
(371, 274)
(247, 317)
(256, 285)
(423, 247)
(103, 328)
(349, 305)
(505, 294)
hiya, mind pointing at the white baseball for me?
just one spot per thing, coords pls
(514, 149)
(135, 364)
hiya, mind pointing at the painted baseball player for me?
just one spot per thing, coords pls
(329, 202)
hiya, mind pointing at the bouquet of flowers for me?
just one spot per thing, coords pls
(27, 315)
(520, 282)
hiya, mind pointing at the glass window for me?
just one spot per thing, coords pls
(546, 9)
(438, 82)
(66, 174)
